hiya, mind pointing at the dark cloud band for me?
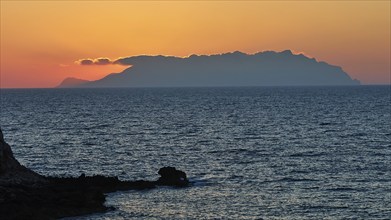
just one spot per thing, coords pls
(97, 61)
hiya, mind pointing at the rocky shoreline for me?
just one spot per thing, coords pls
(25, 194)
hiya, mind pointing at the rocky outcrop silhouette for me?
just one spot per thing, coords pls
(172, 177)
(25, 194)
(11, 171)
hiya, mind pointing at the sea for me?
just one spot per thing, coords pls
(249, 152)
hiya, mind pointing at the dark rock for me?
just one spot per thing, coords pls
(11, 171)
(25, 194)
(49, 202)
(172, 177)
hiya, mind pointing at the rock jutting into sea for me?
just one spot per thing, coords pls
(26, 194)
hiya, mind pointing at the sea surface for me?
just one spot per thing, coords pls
(250, 153)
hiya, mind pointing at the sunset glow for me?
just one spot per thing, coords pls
(41, 41)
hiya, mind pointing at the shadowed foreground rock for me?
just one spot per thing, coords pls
(11, 171)
(25, 194)
(172, 177)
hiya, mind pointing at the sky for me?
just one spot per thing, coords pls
(41, 41)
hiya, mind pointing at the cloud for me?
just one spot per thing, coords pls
(125, 61)
(85, 62)
(102, 61)
(63, 65)
(97, 61)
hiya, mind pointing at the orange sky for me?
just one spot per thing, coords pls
(41, 40)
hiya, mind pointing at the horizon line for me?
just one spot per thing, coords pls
(136, 87)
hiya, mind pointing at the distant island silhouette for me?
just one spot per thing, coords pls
(268, 68)
(70, 82)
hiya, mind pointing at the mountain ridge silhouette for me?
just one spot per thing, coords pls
(268, 68)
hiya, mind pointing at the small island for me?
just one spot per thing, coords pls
(26, 194)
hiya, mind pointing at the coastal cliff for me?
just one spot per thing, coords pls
(29, 195)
